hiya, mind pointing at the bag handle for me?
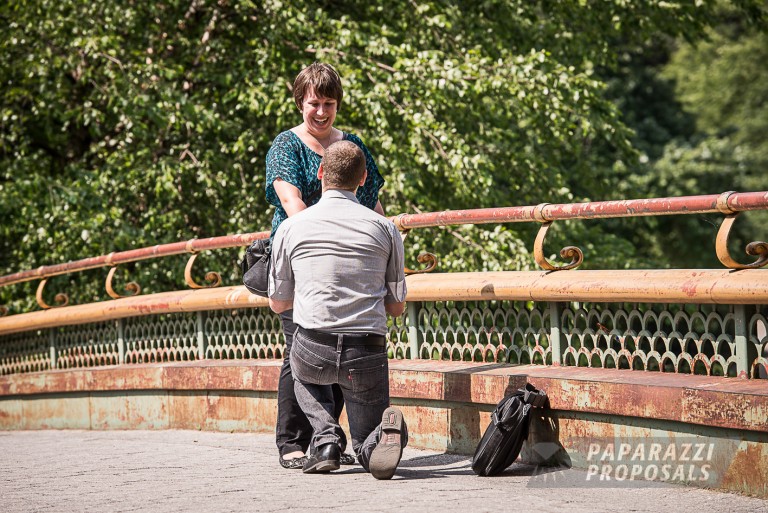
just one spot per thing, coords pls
(534, 397)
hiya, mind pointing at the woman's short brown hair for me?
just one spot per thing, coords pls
(322, 78)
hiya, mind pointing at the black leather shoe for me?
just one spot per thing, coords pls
(324, 459)
(293, 463)
(346, 459)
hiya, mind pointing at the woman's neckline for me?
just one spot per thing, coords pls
(343, 137)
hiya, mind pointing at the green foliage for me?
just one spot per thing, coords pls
(129, 124)
(722, 87)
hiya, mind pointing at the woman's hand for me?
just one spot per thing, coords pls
(290, 197)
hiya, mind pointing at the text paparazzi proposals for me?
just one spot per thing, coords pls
(640, 461)
(652, 461)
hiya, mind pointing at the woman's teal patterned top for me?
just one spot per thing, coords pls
(291, 160)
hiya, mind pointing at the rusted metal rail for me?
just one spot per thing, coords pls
(729, 204)
(725, 203)
(133, 255)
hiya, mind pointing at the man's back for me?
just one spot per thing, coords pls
(345, 260)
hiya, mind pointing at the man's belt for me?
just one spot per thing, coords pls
(332, 339)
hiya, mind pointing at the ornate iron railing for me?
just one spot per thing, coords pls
(702, 322)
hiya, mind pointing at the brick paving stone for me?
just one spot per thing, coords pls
(201, 471)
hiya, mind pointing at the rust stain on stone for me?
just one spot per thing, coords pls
(464, 429)
(749, 471)
(417, 385)
(266, 378)
(224, 378)
(427, 426)
(492, 388)
(613, 398)
(185, 378)
(227, 407)
(730, 410)
(457, 387)
(11, 414)
(187, 409)
(127, 378)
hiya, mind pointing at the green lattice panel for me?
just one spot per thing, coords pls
(398, 345)
(493, 331)
(669, 338)
(161, 338)
(86, 345)
(25, 352)
(243, 334)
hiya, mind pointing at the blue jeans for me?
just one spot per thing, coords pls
(362, 372)
(293, 430)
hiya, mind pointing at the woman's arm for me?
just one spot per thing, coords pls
(290, 197)
(379, 209)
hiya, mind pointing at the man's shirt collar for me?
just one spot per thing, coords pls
(339, 194)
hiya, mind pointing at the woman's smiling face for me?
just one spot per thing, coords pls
(319, 113)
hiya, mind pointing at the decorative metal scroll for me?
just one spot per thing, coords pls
(423, 258)
(213, 278)
(61, 298)
(572, 252)
(131, 287)
(757, 248)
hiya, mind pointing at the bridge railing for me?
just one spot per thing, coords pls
(710, 322)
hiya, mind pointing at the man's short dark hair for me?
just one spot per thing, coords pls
(343, 165)
(323, 78)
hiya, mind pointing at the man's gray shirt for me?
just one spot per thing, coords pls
(339, 262)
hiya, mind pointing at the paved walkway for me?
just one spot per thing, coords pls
(192, 471)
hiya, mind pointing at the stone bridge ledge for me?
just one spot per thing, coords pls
(707, 401)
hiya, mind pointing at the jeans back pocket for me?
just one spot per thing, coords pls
(370, 380)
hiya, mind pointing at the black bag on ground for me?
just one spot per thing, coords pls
(504, 438)
(256, 265)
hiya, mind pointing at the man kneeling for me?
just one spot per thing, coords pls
(340, 266)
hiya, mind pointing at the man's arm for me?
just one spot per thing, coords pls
(394, 300)
(281, 283)
(280, 306)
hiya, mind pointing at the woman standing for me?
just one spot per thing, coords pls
(292, 186)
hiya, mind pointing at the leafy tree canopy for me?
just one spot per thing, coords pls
(128, 124)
